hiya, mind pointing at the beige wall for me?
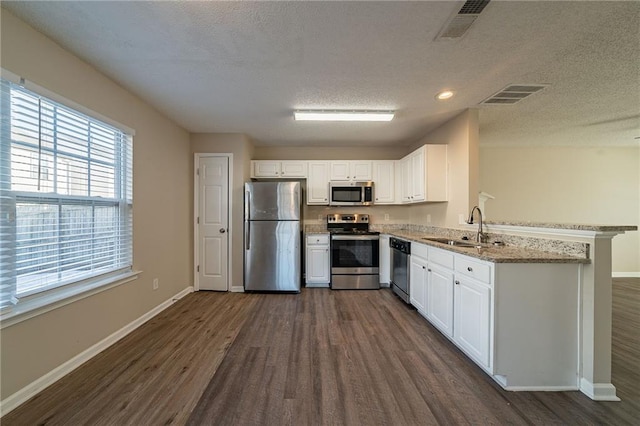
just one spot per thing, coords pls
(161, 218)
(571, 185)
(461, 136)
(242, 149)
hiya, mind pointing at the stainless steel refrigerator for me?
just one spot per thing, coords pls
(272, 236)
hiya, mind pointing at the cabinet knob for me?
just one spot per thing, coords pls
(429, 270)
(469, 268)
(457, 282)
(423, 267)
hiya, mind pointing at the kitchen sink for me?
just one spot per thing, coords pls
(449, 241)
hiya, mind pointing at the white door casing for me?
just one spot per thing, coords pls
(212, 236)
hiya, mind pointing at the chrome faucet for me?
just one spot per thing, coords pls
(481, 237)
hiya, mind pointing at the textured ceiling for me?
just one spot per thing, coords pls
(245, 66)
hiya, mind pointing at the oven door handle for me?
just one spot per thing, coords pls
(355, 237)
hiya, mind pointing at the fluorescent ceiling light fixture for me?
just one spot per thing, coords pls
(444, 95)
(343, 115)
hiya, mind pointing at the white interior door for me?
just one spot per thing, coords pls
(213, 223)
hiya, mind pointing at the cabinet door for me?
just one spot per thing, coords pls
(264, 168)
(351, 170)
(318, 182)
(407, 179)
(440, 298)
(293, 169)
(340, 170)
(384, 182)
(418, 175)
(317, 265)
(418, 284)
(361, 170)
(472, 321)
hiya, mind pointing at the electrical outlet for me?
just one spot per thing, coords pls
(461, 218)
(428, 218)
(386, 216)
(155, 284)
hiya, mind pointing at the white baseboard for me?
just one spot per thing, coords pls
(237, 289)
(598, 391)
(502, 381)
(625, 274)
(27, 392)
(541, 388)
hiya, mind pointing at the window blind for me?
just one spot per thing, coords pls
(66, 194)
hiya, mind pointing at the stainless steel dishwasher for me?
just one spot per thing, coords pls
(400, 251)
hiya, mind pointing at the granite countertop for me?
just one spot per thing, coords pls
(571, 226)
(491, 253)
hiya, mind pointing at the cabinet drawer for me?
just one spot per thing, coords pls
(472, 268)
(318, 240)
(441, 257)
(419, 250)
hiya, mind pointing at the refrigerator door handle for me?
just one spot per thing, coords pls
(247, 200)
(247, 222)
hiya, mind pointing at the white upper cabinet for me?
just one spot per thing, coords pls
(318, 183)
(384, 181)
(418, 177)
(278, 169)
(351, 170)
(265, 168)
(424, 174)
(293, 169)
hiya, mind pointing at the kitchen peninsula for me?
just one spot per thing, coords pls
(533, 305)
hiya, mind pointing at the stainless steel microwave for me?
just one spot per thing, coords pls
(350, 193)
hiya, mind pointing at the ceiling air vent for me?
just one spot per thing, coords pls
(461, 21)
(513, 93)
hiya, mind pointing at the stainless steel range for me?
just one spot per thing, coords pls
(355, 252)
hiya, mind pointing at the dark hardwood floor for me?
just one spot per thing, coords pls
(321, 357)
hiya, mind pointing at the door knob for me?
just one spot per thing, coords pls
(222, 230)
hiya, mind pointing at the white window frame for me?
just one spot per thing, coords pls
(34, 303)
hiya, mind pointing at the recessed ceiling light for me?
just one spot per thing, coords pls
(444, 95)
(343, 115)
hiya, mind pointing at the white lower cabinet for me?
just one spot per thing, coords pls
(440, 298)
(317, 269)
(446, 290)
(472, 323)
(518, 321)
